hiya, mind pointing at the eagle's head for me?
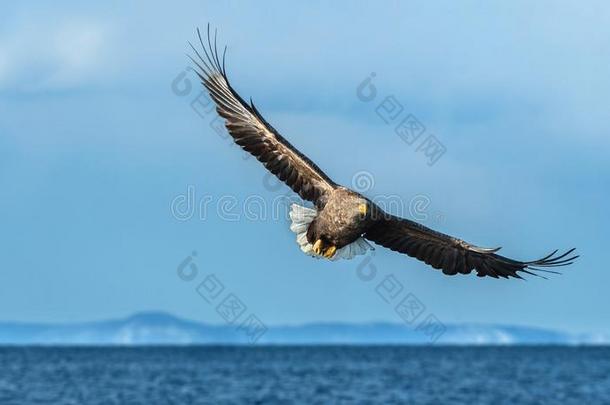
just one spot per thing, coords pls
(361, 208)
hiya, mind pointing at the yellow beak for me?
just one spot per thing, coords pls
(362, 209)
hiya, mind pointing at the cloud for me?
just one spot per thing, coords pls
(3, 63)
(48, 54)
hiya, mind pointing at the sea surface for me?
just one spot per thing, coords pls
(304, 374)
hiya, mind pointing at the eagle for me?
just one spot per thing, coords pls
(342, 221)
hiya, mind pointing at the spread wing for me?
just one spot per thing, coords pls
(250, 130)
(453, 255)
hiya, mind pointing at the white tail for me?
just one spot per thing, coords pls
(301, 217)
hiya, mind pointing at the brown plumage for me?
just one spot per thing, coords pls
(343, 215)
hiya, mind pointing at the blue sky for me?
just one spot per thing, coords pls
(95, 146)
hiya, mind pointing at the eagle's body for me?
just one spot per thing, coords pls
(346, 216)
(342, 219)
(324, 238)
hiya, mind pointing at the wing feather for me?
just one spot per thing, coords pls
(253, 133)
(452, 255)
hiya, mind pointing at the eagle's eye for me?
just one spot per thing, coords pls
(362, 209)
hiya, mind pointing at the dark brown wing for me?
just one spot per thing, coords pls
(250, 130)
(453, 255)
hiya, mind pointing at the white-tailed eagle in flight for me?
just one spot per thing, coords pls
(343, 220)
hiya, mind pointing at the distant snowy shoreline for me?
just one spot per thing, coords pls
(157, 328)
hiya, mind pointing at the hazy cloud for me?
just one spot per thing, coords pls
(53, 54)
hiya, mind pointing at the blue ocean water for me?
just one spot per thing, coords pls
(308, 374)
